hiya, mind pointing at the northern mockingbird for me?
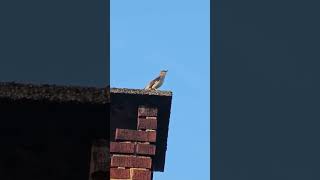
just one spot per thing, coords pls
(157, 82)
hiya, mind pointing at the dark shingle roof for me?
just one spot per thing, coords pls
(140, 92)
(18, 91)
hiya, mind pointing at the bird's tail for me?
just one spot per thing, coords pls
(147, 87)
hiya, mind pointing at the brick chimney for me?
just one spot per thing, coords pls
(132, 153)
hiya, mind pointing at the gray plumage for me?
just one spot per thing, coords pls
(157, 82)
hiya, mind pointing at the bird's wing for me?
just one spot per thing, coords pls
(151, 83)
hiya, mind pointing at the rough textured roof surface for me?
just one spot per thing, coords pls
(54, 93)
(140, 92)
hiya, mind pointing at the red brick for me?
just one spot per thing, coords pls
(146, 149)
(134, 135)
(144, 111)
(141, 174)
(117, 173)
(118, 147)
(144, 123)
(131, 161)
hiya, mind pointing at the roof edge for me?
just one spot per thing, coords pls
(140, 92)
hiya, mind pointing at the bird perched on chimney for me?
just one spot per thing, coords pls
(157, 82)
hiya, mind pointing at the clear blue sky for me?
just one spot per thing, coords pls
(148, 36)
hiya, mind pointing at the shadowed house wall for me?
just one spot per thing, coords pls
(42, 139)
